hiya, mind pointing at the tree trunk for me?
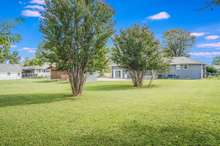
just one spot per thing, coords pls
(137, 78)
(151, 79)
(77, 79)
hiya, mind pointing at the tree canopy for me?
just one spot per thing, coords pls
(7, 39)
(137, 50)
(178, 42)
(75, 34)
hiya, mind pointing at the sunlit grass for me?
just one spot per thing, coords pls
(43, 113)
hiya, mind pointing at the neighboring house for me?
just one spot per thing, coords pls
(179, 68)
(10, 72)
(63, 75)
(217, 67)
(185, 68)
(36, 71)
(121, 73)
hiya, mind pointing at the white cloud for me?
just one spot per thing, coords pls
(197, 34)
(39, 2)
(30, 50)
(212, 37)
(31, 13)
(160, 16)
(205, 54)
(209, 45)
(35, 7)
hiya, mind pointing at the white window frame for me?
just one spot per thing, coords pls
(178, 67)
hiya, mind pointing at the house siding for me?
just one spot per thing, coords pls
(124, 74)
(12, 76)
(194, 71)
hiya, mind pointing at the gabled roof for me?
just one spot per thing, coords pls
(183, 60)
(12, 68)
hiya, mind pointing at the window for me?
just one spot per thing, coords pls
(178, 67)
(185, 67)
(9, 73)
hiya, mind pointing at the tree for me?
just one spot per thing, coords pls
(75, 33)
(177, 43)
(137, 50)
(14, 58)
(216, 60)
(216, 2)
(211, 70)
(7, 39)
(33, 61)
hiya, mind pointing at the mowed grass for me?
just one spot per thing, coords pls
(43, 113)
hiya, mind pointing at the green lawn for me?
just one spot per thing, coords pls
(42, 113)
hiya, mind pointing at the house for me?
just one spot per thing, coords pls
(36, 71)
(217, 67)
(63, 75)
(10, 72)
(179, 68)
(185, 68)
(120, 73)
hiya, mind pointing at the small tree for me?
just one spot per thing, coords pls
(211, 70)
(137, 50)
(177, 43)
(75, 33)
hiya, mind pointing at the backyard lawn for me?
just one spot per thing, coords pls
(43, 113)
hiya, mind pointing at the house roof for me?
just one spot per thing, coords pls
(183, 60)
(45, 66)
(12, 68)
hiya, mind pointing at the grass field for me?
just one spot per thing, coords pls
(42, 113)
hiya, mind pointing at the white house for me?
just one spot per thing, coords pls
(10, 72)
(36, 71)
(217, 67)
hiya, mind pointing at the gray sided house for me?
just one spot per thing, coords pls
(121, 73)
(179, 68)
(185, 68)
(10, 72)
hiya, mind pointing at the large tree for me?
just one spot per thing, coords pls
(137, 50)
(75, 33)
(177, 42)
(7, 39)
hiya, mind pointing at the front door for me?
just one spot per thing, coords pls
(118, 74)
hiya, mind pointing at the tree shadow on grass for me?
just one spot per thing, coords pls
(116, 87)
(134, 133)
(26, 99)
(52, 81)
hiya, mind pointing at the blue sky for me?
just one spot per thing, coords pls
(159, 15)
